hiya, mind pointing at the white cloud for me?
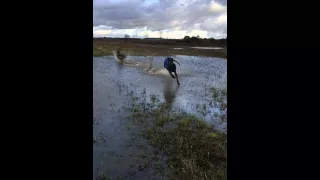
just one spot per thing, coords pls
(102, 33)
(222, 19)
(217, 8)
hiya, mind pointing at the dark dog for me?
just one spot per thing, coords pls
(120, 56)
(171, 67)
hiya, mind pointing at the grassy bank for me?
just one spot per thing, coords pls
(194, 149)
(105, 48)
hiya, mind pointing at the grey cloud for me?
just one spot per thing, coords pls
(165, 14)
(101, 27)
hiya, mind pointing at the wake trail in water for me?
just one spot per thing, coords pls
(147, 65)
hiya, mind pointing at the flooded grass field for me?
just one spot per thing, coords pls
(147, 127)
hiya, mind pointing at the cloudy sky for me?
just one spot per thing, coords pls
(175, 18)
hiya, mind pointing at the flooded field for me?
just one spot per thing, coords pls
(207, 47)
(118, 150)
(177, 48)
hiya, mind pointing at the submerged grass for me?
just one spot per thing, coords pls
(194, 149)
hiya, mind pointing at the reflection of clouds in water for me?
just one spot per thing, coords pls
(207, 47)
(113, 83)
(195, 74)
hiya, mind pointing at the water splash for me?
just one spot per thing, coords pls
(148, 66)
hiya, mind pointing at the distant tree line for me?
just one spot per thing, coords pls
(187, 40)
(198, 39)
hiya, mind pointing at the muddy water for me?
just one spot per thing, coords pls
(115, 152)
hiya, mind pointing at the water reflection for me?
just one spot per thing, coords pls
(119, 66)
(169, 91)
(112, 85)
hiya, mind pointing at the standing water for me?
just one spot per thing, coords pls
(114, 151)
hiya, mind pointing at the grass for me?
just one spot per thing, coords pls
(105, 48)
(194, 149)
(219, 96)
